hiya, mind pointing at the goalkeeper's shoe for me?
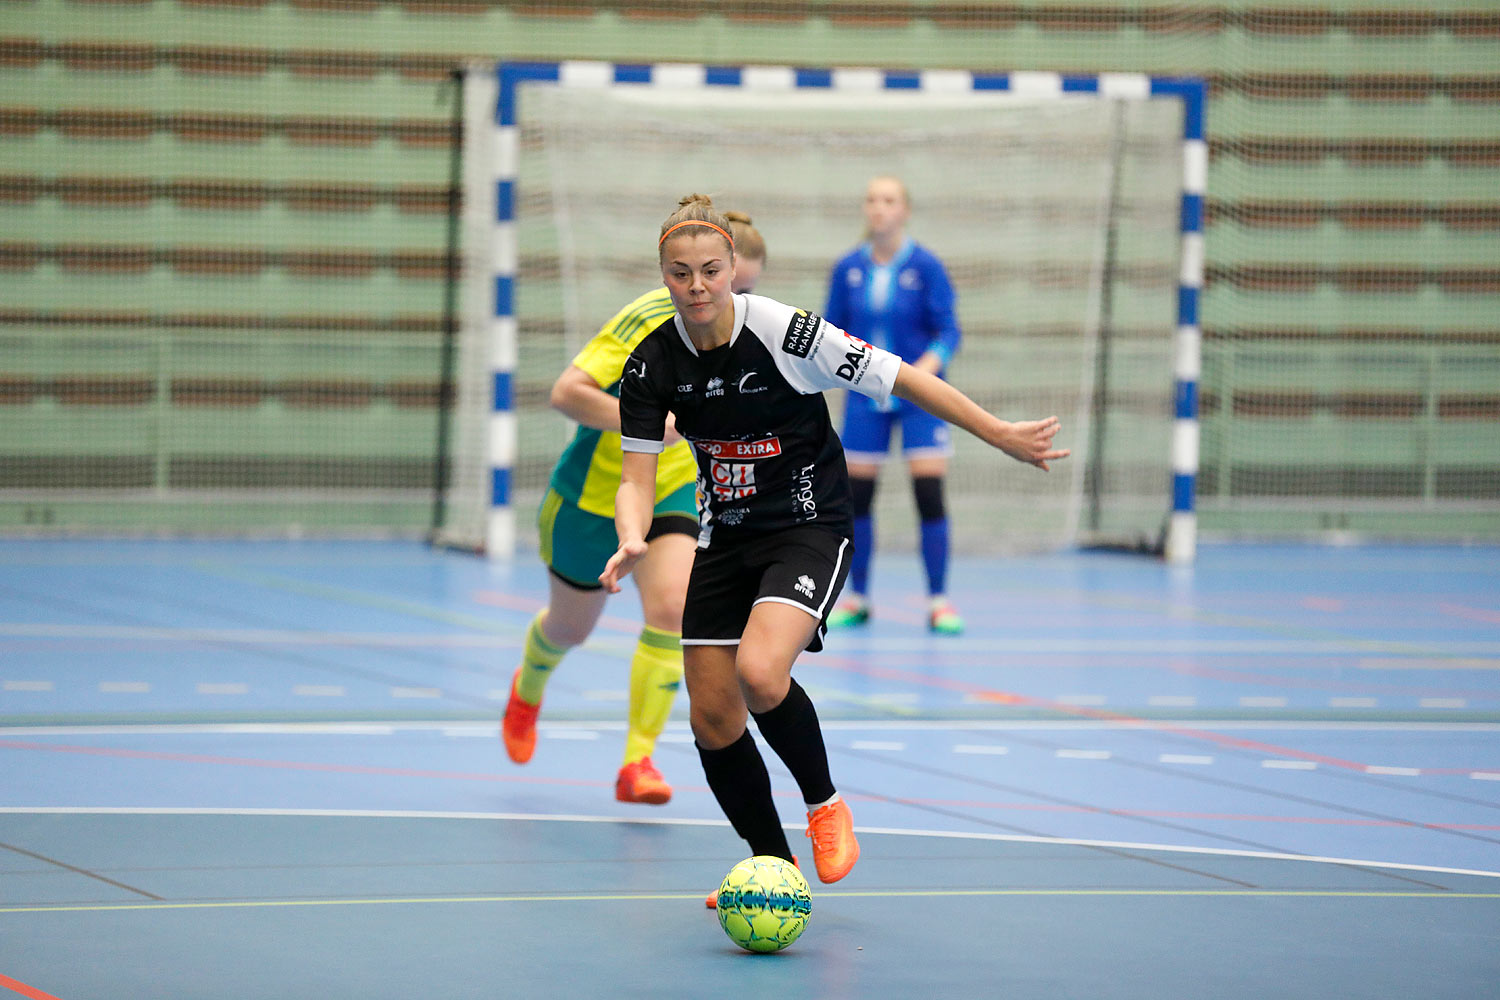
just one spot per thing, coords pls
(518, 728)
(855, 611)
(640, 781)
(713, 898)
(944, 619)
(835, 850)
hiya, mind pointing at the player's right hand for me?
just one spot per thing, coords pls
(620, 564)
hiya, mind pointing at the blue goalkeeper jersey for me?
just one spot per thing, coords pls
(905, 307)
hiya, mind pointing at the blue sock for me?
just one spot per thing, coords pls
(935, 554)
(864, 551)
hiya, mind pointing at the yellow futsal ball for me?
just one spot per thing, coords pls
(764, 903)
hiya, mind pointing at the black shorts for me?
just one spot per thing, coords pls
(803, 566)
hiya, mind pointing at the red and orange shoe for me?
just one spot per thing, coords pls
(640, 781)
(713, 898)
(835, 850)
(518, 728)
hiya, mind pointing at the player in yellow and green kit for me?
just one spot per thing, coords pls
(578, 537)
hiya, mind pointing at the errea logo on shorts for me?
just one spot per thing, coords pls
(805, 585)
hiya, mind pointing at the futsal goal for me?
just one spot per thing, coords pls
(1068, 211)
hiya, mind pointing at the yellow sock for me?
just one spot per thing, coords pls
(538, 657)
(655, 676)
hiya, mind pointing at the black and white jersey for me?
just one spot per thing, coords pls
(768, 456)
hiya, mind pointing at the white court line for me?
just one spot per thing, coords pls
(828, 725)
(886, 644)
(1083, 754)
(1009, 838)
(1290, 765)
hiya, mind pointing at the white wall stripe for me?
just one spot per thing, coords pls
(1034, 84)
(768, 78)
(502, 439)
(1191, 272)
(1132, 86)
(1185, 446)
(580, 73)
(1194, 166)
(858, 80)
(679, 75)
(947, 81)
(1187, 359)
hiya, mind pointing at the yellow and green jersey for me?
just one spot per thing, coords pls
(588, 473)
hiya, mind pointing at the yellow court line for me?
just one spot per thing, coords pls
(867, 894)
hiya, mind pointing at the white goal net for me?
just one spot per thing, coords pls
(1056, 218)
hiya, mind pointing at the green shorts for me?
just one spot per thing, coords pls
(577, 544)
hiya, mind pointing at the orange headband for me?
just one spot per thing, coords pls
(696, 222)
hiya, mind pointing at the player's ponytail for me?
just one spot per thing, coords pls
(748, 242)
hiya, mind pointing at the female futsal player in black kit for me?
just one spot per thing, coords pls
(743, 375)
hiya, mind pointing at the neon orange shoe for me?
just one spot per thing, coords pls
(518, 728)
(834, 848)
(713, 898)
(640, 781)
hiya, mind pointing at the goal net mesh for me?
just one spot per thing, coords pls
(1057, 220)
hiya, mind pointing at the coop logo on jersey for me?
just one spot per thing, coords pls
(909, 279)
(805, 585)
(732, 480)
(802, 334)
(744, 384)
(764, 448)
(857, 358)
(636, 367)
(715, 387)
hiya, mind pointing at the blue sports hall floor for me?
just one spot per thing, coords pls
(271, 770)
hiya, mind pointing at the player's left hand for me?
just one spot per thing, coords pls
(1030, 441)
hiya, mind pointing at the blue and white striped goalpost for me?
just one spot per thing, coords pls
(492, 96)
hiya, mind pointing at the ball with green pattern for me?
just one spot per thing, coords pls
(764, 903)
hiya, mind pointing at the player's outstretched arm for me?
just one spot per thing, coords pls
(634, 502)
(1028, 441)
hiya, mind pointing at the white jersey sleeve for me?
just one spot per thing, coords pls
(813, 354)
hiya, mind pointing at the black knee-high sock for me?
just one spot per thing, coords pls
(738, 777)
(792, 730)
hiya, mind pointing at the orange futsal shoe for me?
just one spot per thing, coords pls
(640, 781)
(834, 848)
(713, 898)
(518, 728)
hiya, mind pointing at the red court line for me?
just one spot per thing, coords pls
(25, 991)
(1097, 714)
